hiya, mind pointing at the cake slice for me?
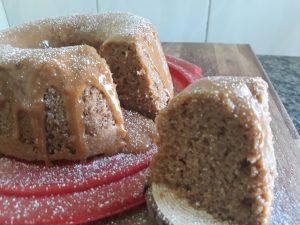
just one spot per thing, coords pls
(216, 149)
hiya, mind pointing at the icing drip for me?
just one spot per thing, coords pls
(70, 70)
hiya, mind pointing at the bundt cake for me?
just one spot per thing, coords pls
(216, 150)
(59, 99)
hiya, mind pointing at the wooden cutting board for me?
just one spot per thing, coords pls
(239, 60)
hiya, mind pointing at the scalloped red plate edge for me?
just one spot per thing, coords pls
(21, 179)
(73, 208)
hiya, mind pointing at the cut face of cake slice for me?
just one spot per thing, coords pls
(216, 149)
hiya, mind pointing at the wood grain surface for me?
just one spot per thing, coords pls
(239, 60)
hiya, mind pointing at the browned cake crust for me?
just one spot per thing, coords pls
(60, 102)
(216, 148)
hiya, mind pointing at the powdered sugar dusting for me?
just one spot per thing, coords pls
(94, 203)
(67, 30)
(141, 131)
(38, 57)
(138, 216)
(23, 178)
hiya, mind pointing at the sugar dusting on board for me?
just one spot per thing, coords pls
(137, 216)
(74, 208)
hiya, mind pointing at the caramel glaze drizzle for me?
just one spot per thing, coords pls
(71, 82)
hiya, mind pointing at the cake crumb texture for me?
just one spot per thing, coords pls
(216, 150)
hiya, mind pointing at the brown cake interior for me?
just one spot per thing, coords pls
(213, 152)
(136, 90)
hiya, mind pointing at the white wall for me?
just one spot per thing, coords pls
(3, 20)
(270, 26)
(20, 11)
(175, 20)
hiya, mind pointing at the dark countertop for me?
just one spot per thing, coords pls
(284, 73)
